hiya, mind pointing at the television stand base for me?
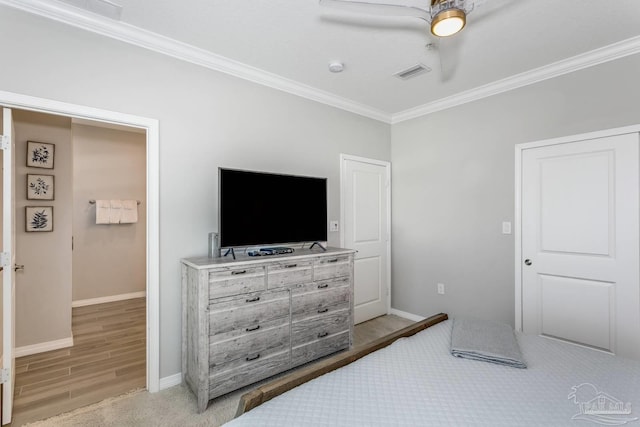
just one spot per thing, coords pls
(280, 250)
(318, 243)
(230, 250)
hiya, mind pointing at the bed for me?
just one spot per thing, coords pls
(416, 381)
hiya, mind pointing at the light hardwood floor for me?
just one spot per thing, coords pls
(108, 358)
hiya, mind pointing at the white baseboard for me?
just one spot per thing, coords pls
(406, 315)
(170, 381)
(28, 350)
(112, 298)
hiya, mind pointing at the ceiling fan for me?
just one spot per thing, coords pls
(446, 17)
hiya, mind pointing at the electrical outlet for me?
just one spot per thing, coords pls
(441, 288)
(333, 226)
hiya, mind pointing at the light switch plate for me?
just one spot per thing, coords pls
(333, 226)
(506, 227)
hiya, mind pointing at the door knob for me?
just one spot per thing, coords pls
(527, 262)
(18, 267)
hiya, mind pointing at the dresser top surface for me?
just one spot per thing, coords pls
(244, 259)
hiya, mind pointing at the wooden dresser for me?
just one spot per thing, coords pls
(247, 319)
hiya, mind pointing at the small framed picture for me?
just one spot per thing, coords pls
(40, 187)
(40, 154)
(39, 218)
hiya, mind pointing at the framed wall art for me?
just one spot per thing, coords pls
(39, 218)
(40, 154)
(40, 187)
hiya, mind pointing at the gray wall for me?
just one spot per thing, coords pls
(207, 119)
(107, 259)
(453, 185)
(43, 289)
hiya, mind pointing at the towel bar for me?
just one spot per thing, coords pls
(93, 202)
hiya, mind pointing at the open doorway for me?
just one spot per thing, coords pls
(80, 286)
(150, 316)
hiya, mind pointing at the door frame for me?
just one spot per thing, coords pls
(7, 393)
(152, 128)
(387, 165)
(519, 148)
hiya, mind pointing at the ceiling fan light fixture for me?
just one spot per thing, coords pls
(448, 22)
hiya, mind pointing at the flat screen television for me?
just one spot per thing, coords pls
(258, 208)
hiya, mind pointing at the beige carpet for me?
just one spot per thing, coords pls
(175, 406)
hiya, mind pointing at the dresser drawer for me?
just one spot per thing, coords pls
(237, 280)
(321, 347)
(228, 354)
(331, 267)
(320, 311)
(232, 316)
(289, 273)
(221, 382)
(320, 300)
(321, 286)
(315, 328)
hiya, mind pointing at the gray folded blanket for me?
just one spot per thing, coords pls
(486, 341)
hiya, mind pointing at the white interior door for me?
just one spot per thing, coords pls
(580, 243)
(8, 274)
(366, 195)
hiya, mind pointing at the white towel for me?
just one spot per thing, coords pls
(129, 212)
(115, 212)
(103, 210)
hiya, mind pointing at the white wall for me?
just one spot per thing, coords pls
(43, 289)
(207, 119)
(107, 259)
(453, 185)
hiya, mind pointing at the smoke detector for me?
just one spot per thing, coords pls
(336, 66)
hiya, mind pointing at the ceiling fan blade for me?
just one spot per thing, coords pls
(448, 50)
(380, 9)
(484, 9)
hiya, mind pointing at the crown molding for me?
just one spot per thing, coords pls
(130, 34)
(575, 63)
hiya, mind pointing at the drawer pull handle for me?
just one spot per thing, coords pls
(255, 328)
(253, 299)
(324, 310)
(333, 260)
(238, 272)
(250, 358)
(322, 286)
(323, 334)
(290, 265)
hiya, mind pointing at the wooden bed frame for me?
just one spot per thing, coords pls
(256, 397)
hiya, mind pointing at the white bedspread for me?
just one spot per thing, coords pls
(416, 382)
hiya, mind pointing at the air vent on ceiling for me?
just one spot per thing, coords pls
(413, 71)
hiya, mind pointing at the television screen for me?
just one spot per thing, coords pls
(259, 208)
